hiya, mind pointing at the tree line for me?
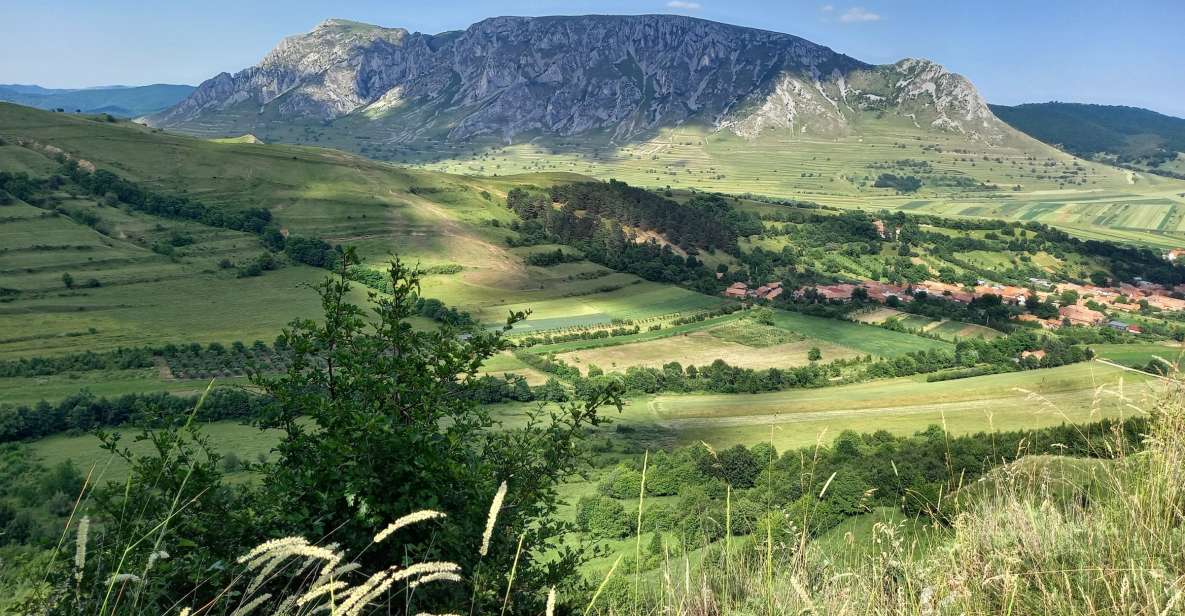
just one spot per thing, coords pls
(1003, 354)
(112, 189)
(84, 411)
(918, 474)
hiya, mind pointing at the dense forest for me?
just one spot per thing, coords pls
(602, 221)
(1130, 134)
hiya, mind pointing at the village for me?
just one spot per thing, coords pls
(1078, 304)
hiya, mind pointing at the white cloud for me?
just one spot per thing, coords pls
(857, 14)
(827, 8)
(683, 5)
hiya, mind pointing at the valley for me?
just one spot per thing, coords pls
(600, 314)
(143, 281)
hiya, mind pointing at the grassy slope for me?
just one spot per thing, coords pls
(794, 418)
(145, 298)
(839, 171)
(902, 406)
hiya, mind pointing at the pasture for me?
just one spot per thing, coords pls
(700, 349)
(131, 292)
(1020, 179)
(1007, 401)
(1076, 393)
(101, 383)
(867, 339)
(1140, 354)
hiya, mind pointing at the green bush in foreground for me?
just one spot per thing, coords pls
(378, 423)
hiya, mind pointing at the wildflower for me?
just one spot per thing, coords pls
(270, 546)
(320, 590)
(84, 527)
(443, 576)
(155, 556)
(334, 574)
(550, 602)
(424, 569)
(407, 520)
(254, 603)
(354, 600)
(121, 578)
(495, 507)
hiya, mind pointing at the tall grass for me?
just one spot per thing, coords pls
(1043, 535)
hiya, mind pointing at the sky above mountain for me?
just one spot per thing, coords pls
(1015, 51)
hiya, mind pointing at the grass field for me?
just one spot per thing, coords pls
(86, 451)
(863, 338)
(855, 540)
(102, 383)
(1146, 207)
(700, 349)
(793, 418)
(1141, 354)
(783, 345)
(143, 297)
(505, 363)
(902, 406)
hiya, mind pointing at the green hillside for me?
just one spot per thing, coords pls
(1020, 179)
(118, 101)
(448, 223)
(1127, 135)
(140, 270)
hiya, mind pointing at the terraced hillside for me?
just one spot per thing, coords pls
(1018, 179)
(142, 279)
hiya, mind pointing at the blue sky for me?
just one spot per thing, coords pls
(1014, 51)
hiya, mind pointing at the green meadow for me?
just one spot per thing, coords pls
(1078, 393)
(142, 297)
(1027, 180)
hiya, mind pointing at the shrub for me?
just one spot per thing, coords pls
(603, 517)
(621, 482)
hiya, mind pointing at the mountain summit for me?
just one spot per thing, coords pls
(513, 78)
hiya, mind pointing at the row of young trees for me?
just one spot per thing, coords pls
(103, 184)
(84, 411)
(118, 359)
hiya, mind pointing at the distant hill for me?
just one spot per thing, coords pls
(1125, 135)
(122, 101)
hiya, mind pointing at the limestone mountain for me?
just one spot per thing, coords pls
(509, 79)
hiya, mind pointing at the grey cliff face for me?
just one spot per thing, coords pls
(624, 76)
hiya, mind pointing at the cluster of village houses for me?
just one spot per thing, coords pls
(1125, 297)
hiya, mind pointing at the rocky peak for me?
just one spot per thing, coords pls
(950, 95)
(624, 76)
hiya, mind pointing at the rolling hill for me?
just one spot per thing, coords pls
(146, 293)
(120, 101)
(1111, 133)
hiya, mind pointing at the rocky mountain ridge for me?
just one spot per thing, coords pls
(511, 78)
